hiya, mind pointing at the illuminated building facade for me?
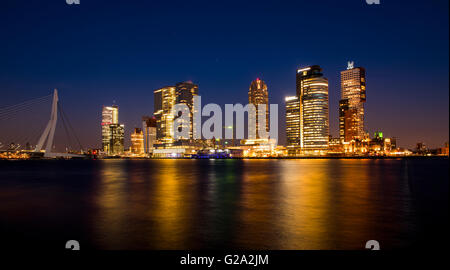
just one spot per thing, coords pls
(312, 91)
(164, 100)
(376, 146)
(380, 145)
(149, 129)
(110, 114)
(184, 93)
(347, 116)
(137, 142)
(335, 147)
(443, 151)
(258, 95)
(117, 132)
(112, 131)
(292, 124)
(351, 105)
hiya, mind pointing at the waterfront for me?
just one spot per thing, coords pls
(238, 204)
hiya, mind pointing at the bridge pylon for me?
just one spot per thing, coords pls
(49, 130)
(49, 133)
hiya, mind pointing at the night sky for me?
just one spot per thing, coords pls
(100, 52)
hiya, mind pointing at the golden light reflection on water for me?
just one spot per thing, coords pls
(257, 215)
(171, 210)
(356, 208)
(110, 201)
(305, 204)
(147, 206)
(234, 204)
(248, 204)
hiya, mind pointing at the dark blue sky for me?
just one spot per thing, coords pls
(104, 51)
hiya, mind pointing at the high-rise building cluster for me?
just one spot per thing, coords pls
(164, 100)
(164, 143)
(157, 132)
(307, 122)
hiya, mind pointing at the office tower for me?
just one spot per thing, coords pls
(184, 93)
(117, 132)
(110, 116)
(346, 116)
(149, 128)
(164, 100)
(257, 95)
(137, 142)
(292, 124)
(351, 106)
(312, 90)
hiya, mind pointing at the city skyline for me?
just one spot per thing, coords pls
(184, 130)
(308, 79)
(307, 116)
(126, 65)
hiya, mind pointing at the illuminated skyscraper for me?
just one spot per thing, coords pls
(149, 129)
(312, 90)
(164, 100)
(111, 130)
(351, 106)
(257, 95)
(292, 124)
(184, 93)
(137, 142)
(110, 114)
(117, 132)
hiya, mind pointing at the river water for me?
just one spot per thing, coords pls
(216, 204)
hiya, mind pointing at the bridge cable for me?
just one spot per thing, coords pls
(22, 105)
(65, 127)
(70, 126)
(10, 113)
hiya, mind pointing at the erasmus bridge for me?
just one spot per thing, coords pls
(17, 139)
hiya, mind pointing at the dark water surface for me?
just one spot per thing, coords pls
(239, 204)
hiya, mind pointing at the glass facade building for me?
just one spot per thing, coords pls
(112, 131)
(292, 124)
(312, 91)
(164, 100)
(184, 93)
(117, 132)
